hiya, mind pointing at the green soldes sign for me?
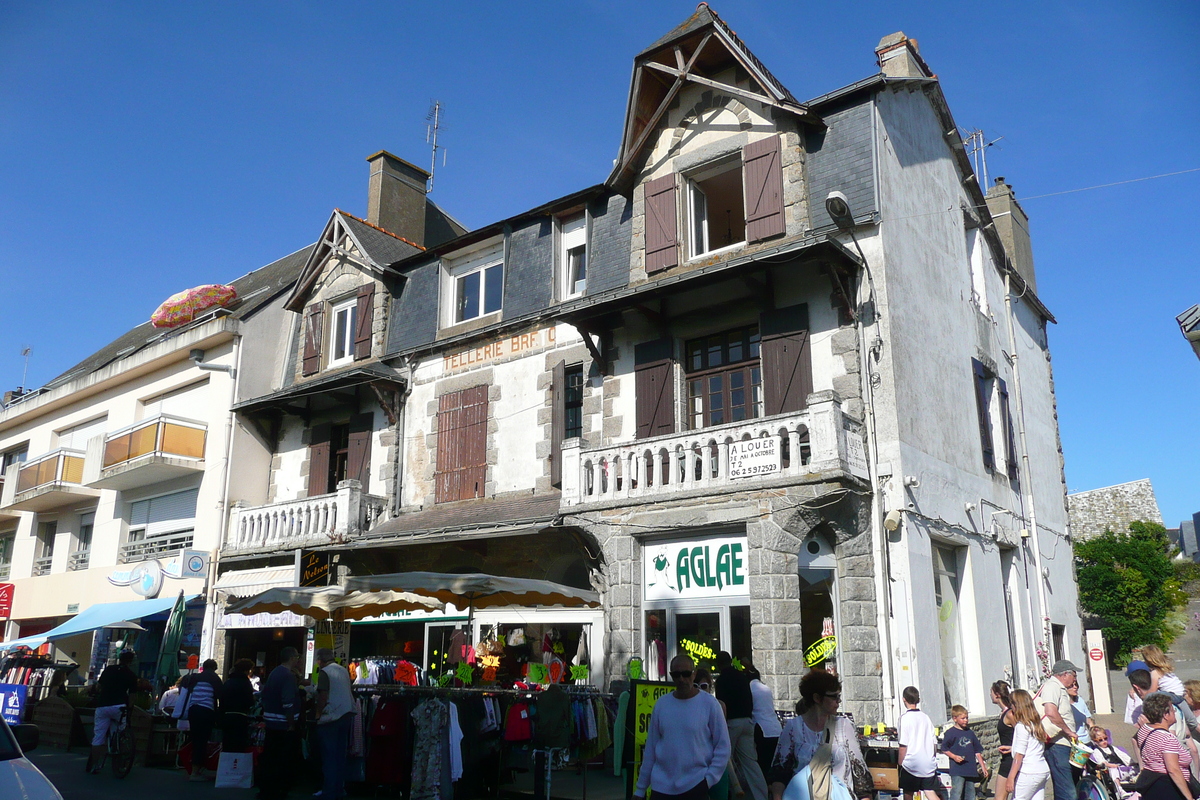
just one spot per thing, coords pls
(712, 567)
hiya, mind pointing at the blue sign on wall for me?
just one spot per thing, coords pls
(12, 702)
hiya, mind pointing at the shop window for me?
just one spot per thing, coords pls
(461, 469)
(656, 662)
(946, 589)
(724, 378)
(817, 571)
(698, 634)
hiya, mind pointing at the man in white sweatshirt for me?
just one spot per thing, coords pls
(687, 746)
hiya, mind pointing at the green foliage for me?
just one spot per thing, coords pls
(1129, 580)
(1187, 571)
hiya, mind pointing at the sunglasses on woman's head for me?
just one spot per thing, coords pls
(683, 673)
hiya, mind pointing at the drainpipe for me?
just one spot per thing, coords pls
(1040, 624)
(210, 607)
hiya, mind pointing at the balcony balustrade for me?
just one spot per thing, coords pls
(155, 547)
(336, 517)
(46, 483)
(724, 458)
(151, 451)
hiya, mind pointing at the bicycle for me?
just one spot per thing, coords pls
(120, 745)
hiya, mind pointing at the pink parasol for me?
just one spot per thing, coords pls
(183, 307)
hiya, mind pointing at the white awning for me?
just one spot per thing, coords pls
(249, 582)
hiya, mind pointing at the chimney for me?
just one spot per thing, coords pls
(900, 57)
(1013, 227)
(396, 196)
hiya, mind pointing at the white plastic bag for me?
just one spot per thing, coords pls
(236, 771)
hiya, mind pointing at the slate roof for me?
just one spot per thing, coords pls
(381, 246)
(254, 289)
(473, 514)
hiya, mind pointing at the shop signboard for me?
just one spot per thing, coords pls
(754, 458)
(645, 694)
(265, 619)
(6, 600)
(335, 635)
(12, 702)
(314, 569)
(711, 567)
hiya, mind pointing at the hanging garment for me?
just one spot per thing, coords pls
(456, 737)
(491, 716)
(431, 719)
(518, 726)
(389, 757)
(554, 719)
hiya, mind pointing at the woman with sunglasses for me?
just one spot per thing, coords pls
(817, 721)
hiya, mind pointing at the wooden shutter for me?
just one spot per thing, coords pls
(313, 319)
(662, 229)
(786, 360)
(985, 417)
(654, 387)
(558, 420)
(1010, 442)
(318, 460)
(364, 324)
(358, 452)
(462, 445)
(763, 183)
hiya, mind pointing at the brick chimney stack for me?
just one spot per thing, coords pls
(396, 196)
(1013, 227)
(900, 57)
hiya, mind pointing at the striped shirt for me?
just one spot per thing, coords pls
(1154, 743)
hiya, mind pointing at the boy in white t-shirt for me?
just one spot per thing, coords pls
(918, 764)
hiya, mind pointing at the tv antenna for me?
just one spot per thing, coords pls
(25, 351)
(432, 128)
(977, 145)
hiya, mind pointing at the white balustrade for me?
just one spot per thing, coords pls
(815, 440)
(326, 518)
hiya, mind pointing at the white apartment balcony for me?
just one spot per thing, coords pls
(151, 451)
(160, 547)
(52, 481)
(816, 444)
(325, 519)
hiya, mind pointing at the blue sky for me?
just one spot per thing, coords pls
(149, 147)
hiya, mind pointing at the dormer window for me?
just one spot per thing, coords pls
(573, 256)
(474, 285)
(341, 345)
(717, 207)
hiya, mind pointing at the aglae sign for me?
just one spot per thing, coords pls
(712, 567)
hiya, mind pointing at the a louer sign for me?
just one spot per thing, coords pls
(713, 567)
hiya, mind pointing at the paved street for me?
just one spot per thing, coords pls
(65, 769)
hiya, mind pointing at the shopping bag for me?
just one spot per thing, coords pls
(235, 771)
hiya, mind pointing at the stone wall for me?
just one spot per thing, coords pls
(1112, 508)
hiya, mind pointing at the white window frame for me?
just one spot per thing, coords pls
(456, 270)
(346, 310)
(692, 190)
(137, 532)
(572, 236)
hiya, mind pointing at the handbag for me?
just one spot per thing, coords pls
(235, 771)
(816, 780)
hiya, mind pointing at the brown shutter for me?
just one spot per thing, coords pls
(558, 420)
(654, 388)
(358, 453)
(786, 360)
(1010, 442)
(312, 338)
(662, 237)
(364, 324)
(318, 460)
(763, 178)
(985, 417)
(462, 444)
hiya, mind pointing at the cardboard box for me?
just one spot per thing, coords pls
(886, 778)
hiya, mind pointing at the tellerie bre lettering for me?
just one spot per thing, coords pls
(500, 348)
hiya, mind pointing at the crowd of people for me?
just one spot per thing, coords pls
(699, 744)
(199, 700)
